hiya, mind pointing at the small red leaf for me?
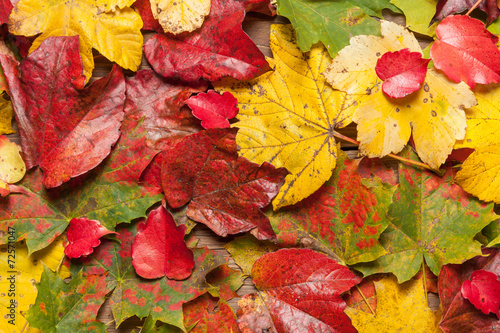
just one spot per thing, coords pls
(483, 290)
(159, 249)
(403, 72)
(83, 235)
(213, 109)
(466, 51)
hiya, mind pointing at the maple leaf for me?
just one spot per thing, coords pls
(423, 208)
(300, 290)
(214, 109)
(162, 299)
(332, 22)
(445, 8)
(401, 308)
(287, 117)
(12, 167)
(220, 48)
(224, 191)
(345, 216)
(459, 315)
(83, 235)
(6, 113)
(201, 314)
(177, 16)
(109, 194)
(466, 51)
(433, 115)
(418, 14)
(66, 307)
(403, 72)
(159, 249)
(111, 27)
(65, 129)
(29, 269)
(483, 290)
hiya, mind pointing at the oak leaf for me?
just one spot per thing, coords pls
(6, 114)
(65, 129)
(213, 109)
(12, 167)
(109, 26)
(433, 115)
(418, 14)
(288, 117)
(83, 235)
(446, 8)
(483, 290)
(400, 308)
(177, 16)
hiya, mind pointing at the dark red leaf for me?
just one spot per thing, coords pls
(466, 51)
(149, 22)
(213, 109)
(65, 129)
(83, 235)
(445, 8)
(159, 249)
(403, 72)
(202, 315)
(362, 293)
(459, 315)
(219, 48)
(483, 290)
(5, 10)
(226, 192)
(459, 155)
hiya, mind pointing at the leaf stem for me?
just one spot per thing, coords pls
(425, 281)
(366, 301)
(24, 327)
(394, 156)
(473, 7)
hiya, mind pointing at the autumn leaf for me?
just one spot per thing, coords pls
(400, 308)
(345, 216)
(28, 269)
(177, 16)
(224, 191)
(433, 220)
(465, 51)
(110, 27)
(226, 281)
(288, 117)
(446, 8)
(5, 10)
(12, 167)
(206, 314)
(459, 315)
(219, 48)
(6, 114)
(159, 250)
(363, 296)
(483, 290)
(418, 14)
(214, 109)
(65, 129)
(433, 115)
(65, 307)
(83, 235)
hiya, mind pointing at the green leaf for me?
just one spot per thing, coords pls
(419, 15)
(432, 219)
(68, 307)
(332, 22)
(344, 218)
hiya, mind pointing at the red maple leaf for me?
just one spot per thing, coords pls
(483, 290)
(403, 72)
(466, 51)
(159, 250)
(65, 129)
(219, 48)
(214, 109)
(83, 235)
(445, 8)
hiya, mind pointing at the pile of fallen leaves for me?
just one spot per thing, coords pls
(100, 200)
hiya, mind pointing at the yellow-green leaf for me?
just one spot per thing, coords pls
(6, 114)
(418, 15)
(288, 117)
(176, 16)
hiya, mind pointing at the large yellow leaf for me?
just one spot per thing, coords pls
(115, 33)
(28, 270)
(176, 16)
(400, 308)
(287, 117)
(434, 114)
(12, 167)
(6, 114)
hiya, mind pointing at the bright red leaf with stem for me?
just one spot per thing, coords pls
(466, 51)
(483, 290)
(159, 249)
(83, 235)
(214, 109)
(403, 72)
(445, 8)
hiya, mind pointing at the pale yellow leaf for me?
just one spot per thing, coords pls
(176, 16)
(12, 167)
(287, 117)
(6, 114)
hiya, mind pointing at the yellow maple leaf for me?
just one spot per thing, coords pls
(6, 114)
(176, 16)
(115, 32)
(12, 167)
(20, 285)
(287, 117)
(434, 114)
(400, 308)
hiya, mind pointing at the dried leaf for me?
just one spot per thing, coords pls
(177, 16)
(83, 235)
(12, 167)
(214, 109)
(483, 290)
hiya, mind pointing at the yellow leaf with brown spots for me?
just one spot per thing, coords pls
(6, 114)
(176, 16)
(433, 114)
(12, 167)
(288, 116)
